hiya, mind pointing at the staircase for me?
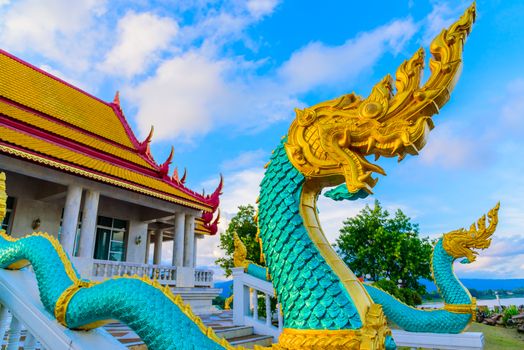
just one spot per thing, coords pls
(221, 323)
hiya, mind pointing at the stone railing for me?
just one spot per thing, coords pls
(103, 269)
(246, 290)
(12, 330)
(25, 324)
(203, 278)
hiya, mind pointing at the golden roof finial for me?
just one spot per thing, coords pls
(116, 100)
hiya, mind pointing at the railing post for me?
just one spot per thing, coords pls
(4, 322)
(255, 304)
(268, 309)
(29, 342)
(13, 341)
(240, 299)
(279, 315)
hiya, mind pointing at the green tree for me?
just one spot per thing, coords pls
(388, 249)
(243, 223)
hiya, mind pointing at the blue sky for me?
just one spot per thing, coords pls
(219, 81)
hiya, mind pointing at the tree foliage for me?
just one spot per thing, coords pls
(243, 223)
(388, 249)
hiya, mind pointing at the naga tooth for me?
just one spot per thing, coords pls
(401, 157)
(364, 177)
(371, 144)
(377, 156)
(396, 147)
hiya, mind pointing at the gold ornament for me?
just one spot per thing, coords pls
(328, 142)
(460, 243)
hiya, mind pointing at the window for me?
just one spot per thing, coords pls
(6, 224)
(110, 238)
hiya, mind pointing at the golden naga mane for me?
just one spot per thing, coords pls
(329, 141)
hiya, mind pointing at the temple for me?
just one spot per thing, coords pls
(76, 170)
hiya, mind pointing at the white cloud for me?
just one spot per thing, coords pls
(441, 16)
(318, 64)
(60, 30)
(259, 8)
(491, 267)
(181, 97)
(141, 36)
(450, 147)
(195, 92)
(246, 159)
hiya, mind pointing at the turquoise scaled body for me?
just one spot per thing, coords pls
(309, 292)
(155, 318)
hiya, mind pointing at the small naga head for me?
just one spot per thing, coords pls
(461, 243)
(329, 142)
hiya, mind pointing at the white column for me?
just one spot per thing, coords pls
(189, 240)
(157, 257)
(178, 239)
(195, 251)
(88, 231)
(148, 245)
(70, 220)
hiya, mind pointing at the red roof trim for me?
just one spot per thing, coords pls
(101, 174)
(44, 135)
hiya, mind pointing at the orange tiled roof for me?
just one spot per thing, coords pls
(72, 134)
(32, 88)
(48, 121)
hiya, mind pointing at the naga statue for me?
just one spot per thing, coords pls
(324, 305)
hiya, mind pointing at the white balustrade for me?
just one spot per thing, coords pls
(245, 313)
(164, 274)
(246, 289)
(103, 269)
(203, 278)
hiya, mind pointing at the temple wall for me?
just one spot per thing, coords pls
(136, 252)
(28, 208)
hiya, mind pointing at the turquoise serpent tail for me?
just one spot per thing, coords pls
(434, 321)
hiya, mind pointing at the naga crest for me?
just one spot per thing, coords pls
(460, 243)
(328, 142)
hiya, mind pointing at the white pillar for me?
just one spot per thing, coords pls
(157, 257)
(88, 231)
(189, 240)
(178, 239)
(148, 245)
(70, 220)
(195, 251)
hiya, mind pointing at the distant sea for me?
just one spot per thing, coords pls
(487, 302)
(478, 284)
(482, 284)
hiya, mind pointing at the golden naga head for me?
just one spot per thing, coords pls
(461, 243)
(329, 142)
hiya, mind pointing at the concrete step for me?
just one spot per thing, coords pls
(250, 341)
(222, 324)
(233, 332)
